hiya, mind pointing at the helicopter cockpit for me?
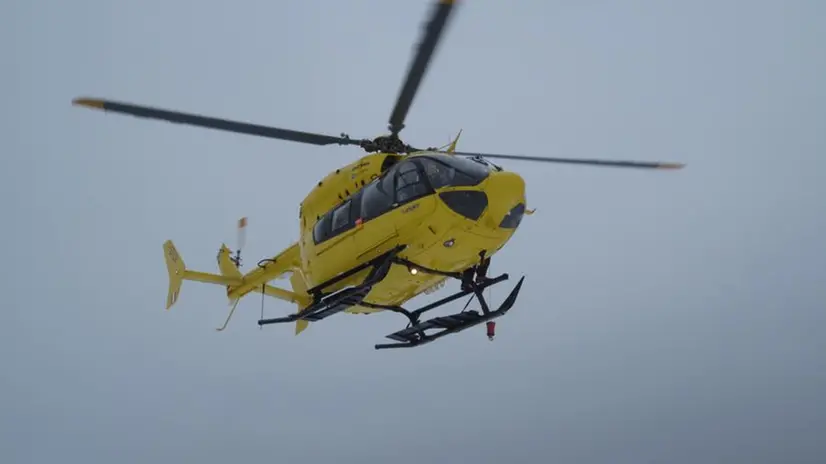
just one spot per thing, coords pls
(416, 177)
(453, 171)
(404, 182)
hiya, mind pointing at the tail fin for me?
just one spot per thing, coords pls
(237, 284)
(225, 263)
(230, 275)
(176, 268)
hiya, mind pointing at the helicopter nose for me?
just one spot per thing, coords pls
(506, 200)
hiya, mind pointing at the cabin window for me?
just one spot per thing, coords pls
(338, 220)
(355, 206)
(438, 174)
(321, 230)
(341, 217)
(375, 200)
(387, 183)
(410, 183)
(473, 169)
(453, 170)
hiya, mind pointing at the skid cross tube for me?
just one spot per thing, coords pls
(413, 316)
(325, 305)
(415, 334)
(473, 281)
(318, 289)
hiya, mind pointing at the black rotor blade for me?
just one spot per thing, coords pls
(213, 123)
(433, 32)
(592, 162)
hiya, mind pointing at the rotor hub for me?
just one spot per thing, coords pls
(386, 144)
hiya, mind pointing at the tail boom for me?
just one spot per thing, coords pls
(238, 285)
(289, 260)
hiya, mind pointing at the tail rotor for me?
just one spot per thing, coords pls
(241, 240)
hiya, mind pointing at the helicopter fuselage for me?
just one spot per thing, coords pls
(444, 209)
(383, 229)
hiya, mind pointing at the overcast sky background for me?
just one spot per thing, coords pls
(666, 316)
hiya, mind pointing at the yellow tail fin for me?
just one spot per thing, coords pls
(176, 268)
(225, 263)
(237, 284)
(178, 273)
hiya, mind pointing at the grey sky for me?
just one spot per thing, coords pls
(666, 316)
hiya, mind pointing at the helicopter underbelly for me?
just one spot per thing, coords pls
(454, 250)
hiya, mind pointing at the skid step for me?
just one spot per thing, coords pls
(416, 335)
(334, 303)
(337, 303)
(450, 322)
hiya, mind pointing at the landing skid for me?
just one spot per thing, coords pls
(416, 333)
(474, 281)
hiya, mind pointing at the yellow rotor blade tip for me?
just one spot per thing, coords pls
(88, 102)
(671, 166)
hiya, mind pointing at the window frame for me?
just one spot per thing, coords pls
(424, 181)
(463, 176)
(379, 189)
(348, 220)
(325, 221)
(385, 185)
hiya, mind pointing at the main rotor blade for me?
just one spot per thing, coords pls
(433, 32)
(213, 123)
(593, 162)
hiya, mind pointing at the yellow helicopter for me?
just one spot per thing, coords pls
(384, 229)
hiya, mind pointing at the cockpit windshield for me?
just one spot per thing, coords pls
(450, 170)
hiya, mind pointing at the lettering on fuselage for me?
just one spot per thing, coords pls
(339, 185)
(410, 208)
(359, 169)
(360, 166)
